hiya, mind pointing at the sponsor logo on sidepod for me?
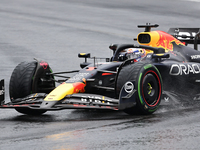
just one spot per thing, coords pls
(184, 69)
(195, 56)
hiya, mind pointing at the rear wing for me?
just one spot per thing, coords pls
(187, 35)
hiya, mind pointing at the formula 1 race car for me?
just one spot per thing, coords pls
(134, 79)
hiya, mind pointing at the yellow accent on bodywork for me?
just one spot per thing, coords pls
(159, 54)
(82, 53)
(60, 92)
(154, 38)
(158, 39)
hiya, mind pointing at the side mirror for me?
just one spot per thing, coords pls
(84, 55)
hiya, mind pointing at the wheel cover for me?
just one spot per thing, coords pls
(151, 88)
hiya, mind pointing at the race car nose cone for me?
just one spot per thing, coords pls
(60, 92)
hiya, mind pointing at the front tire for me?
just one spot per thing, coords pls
(21, 84)
(148, 84)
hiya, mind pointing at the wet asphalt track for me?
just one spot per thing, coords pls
(56, 31)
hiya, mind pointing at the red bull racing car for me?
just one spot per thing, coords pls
(135, 79)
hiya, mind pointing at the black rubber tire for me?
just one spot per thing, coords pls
(148, 84)
(21, 85)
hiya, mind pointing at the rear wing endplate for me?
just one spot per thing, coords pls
(187, 35)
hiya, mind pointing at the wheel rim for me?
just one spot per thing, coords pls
(151, 88)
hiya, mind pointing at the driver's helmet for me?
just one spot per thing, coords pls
(132, 53)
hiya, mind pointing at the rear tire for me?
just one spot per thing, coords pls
(21, 84)
(148, 84)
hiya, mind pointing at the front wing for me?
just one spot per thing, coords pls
(75, 101)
